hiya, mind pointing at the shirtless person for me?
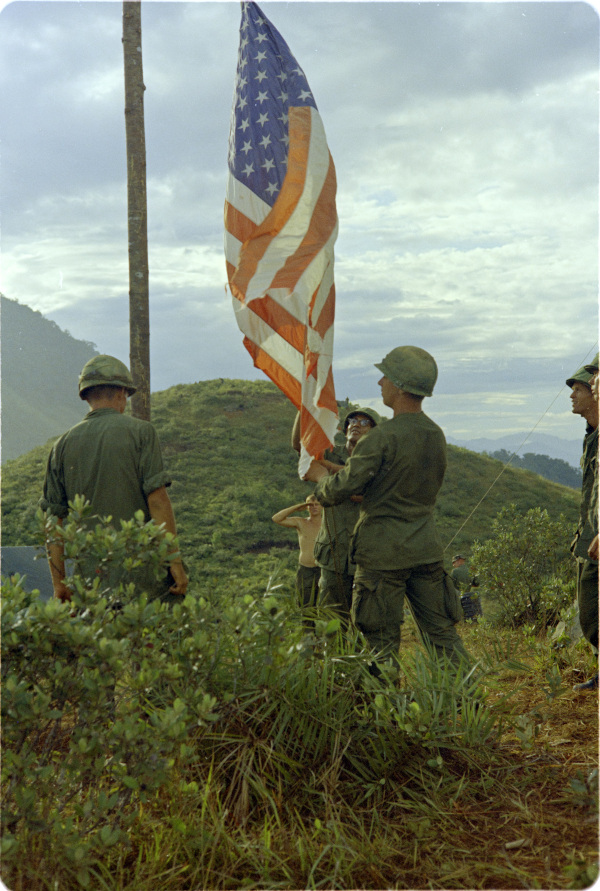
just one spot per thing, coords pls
(307, 576)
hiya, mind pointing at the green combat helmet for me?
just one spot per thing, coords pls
(593, 366)
(368, 412)
(411, 369)
(582, 376)
(105, 371)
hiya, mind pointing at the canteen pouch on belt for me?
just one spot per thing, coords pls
(452, 600)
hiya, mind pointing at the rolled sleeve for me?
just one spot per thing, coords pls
(153, 474)
(54, 499)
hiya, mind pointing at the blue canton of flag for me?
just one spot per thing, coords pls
(280, 228)
(268, 81)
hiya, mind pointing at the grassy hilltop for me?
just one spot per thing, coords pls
(216, 744)
(227, 445)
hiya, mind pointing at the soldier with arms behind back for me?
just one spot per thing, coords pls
(114, 461)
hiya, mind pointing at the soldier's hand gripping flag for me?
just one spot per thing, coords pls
(280, 228)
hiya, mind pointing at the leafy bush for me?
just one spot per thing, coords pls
(112, 702)
(525, 568)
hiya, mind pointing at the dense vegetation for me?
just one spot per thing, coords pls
(554, 469)
(227, 446)
(218, 745)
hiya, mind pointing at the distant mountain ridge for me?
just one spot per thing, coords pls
(568, 450)
(39, 367)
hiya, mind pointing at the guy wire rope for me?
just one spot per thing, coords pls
(538, 422)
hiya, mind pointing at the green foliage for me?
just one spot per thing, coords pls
(111, 699)
(227, 446)
(525, 568)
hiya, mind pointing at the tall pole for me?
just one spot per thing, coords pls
(137, 215)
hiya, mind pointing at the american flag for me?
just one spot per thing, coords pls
(280, 228)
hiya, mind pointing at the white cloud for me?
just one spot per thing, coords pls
(465, 142)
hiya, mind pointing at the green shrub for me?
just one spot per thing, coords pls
(112, 702)
(525, 568)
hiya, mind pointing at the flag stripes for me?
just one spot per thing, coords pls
(280, 229)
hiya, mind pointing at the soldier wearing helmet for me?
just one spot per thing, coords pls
(332, 546)
(115, 462)
(398, 469)
(584, 401)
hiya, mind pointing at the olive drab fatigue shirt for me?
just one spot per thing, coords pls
(115, 461)
(589, 466)
(112, 459)
(333, 539)
(399, 469)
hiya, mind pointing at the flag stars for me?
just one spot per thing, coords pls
(272, 188)
(262, 97)
(261, 56)
(263, 119)
(265, 141)
(260, 76)
(248, 169)
(247, 147)
(242, 103)
(304, 95)
(283, 97)
(268, 165)
(261, 37)
(244, 125)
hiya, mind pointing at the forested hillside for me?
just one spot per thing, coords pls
(227, 446)
(40, 366)
(554, 469)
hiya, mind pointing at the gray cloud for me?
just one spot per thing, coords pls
(465, 142)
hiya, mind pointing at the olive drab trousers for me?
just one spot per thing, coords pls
(587, 599)
(378, 608)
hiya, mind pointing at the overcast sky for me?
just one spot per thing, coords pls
(465, 139)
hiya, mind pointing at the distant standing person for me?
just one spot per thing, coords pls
(398, 469)
(463, 580)
(307, 574)
(114, 461)
(585, 545)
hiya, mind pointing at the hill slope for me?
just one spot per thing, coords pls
(227, 446)
(39, 368)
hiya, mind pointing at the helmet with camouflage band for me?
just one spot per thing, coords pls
(410, 369)
(105, 371)
(593, 366)
(367, 412)
(581, 376)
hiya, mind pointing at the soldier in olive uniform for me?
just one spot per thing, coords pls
(464, 582)
(115, 462)
(398, 469)
(331, 549)
(585, 404)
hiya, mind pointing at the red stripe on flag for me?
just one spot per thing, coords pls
(259, 241)
(280, 320)
(240, 226)
(312, 432)
(326, 316)
(280, 377)
(327, 397)
(321, 226)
